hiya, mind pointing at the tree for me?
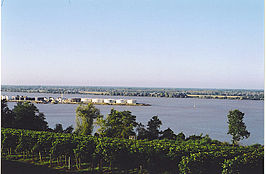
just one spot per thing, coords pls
(58, 128)
(7, 117)
(85, 114)
(181, 136)
(117, 124)
(27, 116)
(69, 129)
(39, 121)
(142, 132)
(237, 127)
(168, 134)
(153, 128)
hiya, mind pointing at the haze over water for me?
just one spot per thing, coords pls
(208, 117)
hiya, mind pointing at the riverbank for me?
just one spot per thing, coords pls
(230, 94)
(68, 102)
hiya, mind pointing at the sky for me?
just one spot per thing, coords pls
(135, 43)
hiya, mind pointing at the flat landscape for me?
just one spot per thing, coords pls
(132, 86)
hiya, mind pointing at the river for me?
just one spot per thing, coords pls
(209, 116)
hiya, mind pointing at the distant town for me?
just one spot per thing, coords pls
(74, 100)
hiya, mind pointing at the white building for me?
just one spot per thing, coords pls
(109, 101)
(59, 99)
(97, 100)
(4, 97)
(131, 101)
(121, 101)
(86, 100)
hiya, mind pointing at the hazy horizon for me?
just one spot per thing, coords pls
(207, 44)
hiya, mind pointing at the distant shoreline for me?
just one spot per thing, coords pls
(117, 104)
(231, 94)
(197, 96)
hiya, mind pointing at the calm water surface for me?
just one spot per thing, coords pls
(208, 117)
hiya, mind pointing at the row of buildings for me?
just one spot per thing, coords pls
(111, 101)
(69, 100)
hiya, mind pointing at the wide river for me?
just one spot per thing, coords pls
(209, 116)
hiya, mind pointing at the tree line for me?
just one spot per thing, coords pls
(147, 92)
(122, 124)
(117, 124)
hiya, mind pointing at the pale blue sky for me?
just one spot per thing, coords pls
(145, 43)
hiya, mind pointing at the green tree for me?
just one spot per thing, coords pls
(181, 136)
(153, 128)
(58, 128)
(7, 117)
(85, 114)
(168, 134)
(27, 116)
(142, 132)
(69, 129)
(117, 124)
(237, 127)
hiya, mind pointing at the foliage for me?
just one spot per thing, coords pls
(69, 129)
(27, 116)
(153, 128)
(59, 129)
(141, 131)
(7, 117)
(225, 160)
(244, 164)
(85, 114)
(157, 156)
(117, 124)
(181, 136)
(168, 134)
(236, 126)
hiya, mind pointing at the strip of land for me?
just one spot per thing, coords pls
(232, 94)
(75, 100)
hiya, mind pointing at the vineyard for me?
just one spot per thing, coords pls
(110, 155)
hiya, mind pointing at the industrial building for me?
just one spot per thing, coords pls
(86, 100)
(109, 101)
(70, 100)
(121, 101)
(97, 100)
(132, 101)
(4, 97)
